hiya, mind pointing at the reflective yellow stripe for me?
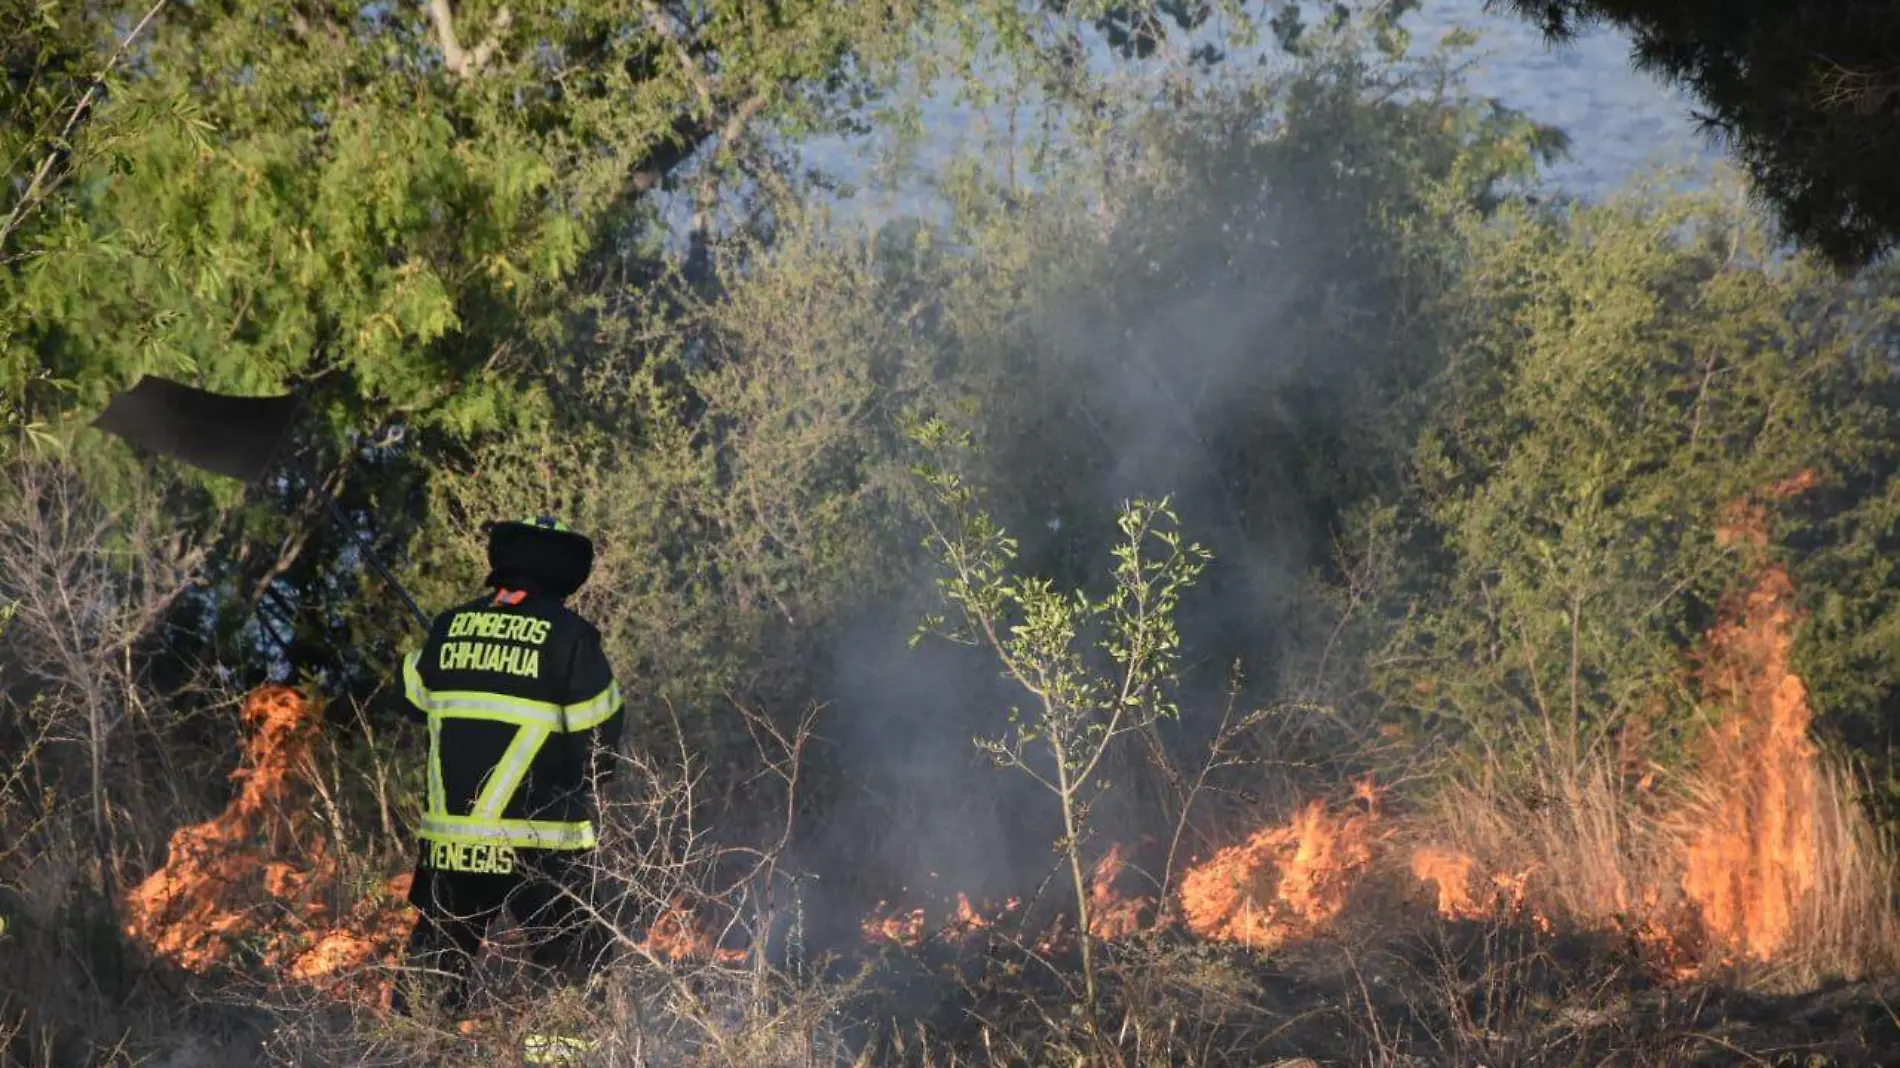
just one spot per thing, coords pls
(555, 1049)
(507, 775)
(438, 797)
(412, 686)
(500, 708)
(520, 834)
(496, 708)
(596, 710)
(419, 696)
(537, 720)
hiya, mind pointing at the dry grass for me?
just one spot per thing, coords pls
(1669, 865)
(1595, 858)
(1500, 992)
(1592, 845)
(1847, 926)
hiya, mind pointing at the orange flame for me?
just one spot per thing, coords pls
(677, 936)
(1111, 913)
(1747, 842)
(372, 934)
(259, 868)
(1452, 872)
(1752, 850)
(902, 928)
(1456, 875)
(1281, 882)
(967, 918)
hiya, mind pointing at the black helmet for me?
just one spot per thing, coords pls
(540, 554)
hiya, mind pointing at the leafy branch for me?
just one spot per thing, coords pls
(1094, 669)
(45, 176)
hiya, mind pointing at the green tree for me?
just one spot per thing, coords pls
(737, 457)
(389, 210)
(56, 78)
(418, 217)
(1094, 670)
(1230, 306)
(1620, 376)
(381, 206)
(1806, 95)
(736, 451)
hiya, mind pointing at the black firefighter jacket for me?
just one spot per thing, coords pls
(520, 701)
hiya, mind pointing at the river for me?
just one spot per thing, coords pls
(1621, 122)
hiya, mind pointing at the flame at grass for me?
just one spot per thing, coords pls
(1746, 841)
(677, 935)
(1759, 843)
(1113, 913)
(1282, 882)
(260, 873)
(1752, 850)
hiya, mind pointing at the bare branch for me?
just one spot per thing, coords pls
(86, 584)
(464, 62)
(665, 28)
(735, 123)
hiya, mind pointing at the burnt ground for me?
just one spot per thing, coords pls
(1434, 993)
(1408, 990)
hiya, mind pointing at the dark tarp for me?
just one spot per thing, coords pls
(238, 437)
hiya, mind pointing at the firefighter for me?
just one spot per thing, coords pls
(523, 713)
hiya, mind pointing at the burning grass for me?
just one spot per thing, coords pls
(1282, 882)
(679, 936)
(1756, 857)
(1752, 863)
(1752, 834)
(260, 875)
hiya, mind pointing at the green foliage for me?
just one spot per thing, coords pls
(384, 204)
(738, 467)
(49, 125)
(1037, 630)
(397, 212)
(1231, 306)
(1622, 375)
(738, 456)
(416, 216)
(1050, 643)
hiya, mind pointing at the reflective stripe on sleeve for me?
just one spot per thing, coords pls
(595, 710)
(412, 686)
(438, 797)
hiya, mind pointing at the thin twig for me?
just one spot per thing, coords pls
(37, 189)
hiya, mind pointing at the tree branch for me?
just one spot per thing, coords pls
(735, 123)
(38, 187)
(665, 28)
(463, 62)
(688, 135)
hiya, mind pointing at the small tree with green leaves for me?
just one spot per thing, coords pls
(1094, 669)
